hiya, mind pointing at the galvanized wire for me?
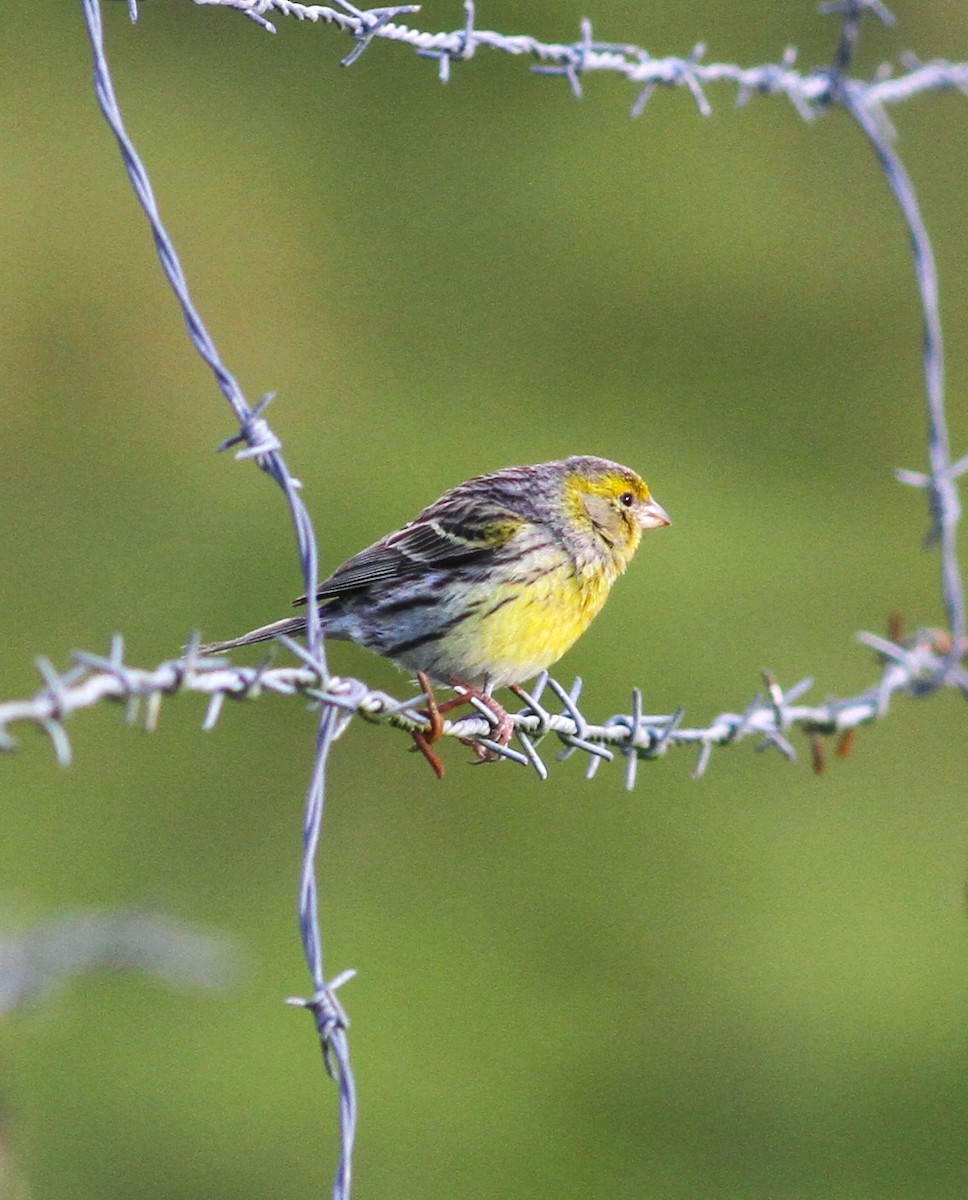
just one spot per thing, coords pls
(914, 666)
(809, 91)
(264, 447)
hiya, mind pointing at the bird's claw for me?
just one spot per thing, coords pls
(424, 739)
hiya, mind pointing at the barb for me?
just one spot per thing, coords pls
(853, 13)
(913, 667)
(866, 106)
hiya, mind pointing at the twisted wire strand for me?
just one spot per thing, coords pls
(945, 503)
(808, 91)
(262, 445)
(913, 667)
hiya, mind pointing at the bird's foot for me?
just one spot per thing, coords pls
(502, 730)
(424, 739)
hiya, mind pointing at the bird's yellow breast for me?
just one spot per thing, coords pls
(528, 629)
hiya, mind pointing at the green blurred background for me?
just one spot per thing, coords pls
(753, 986)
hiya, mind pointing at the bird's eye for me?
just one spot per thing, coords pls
(627, 499)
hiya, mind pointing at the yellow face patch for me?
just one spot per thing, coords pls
(604, 505)
(610, 485)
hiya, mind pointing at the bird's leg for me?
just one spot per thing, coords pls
(424, 741)
(504, 727)
(434, 709)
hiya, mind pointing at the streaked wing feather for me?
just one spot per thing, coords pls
(446, 534)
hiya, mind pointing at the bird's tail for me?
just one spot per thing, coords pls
(291, 626)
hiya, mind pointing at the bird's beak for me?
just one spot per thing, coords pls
(652, 515)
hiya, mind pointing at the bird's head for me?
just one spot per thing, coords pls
(612, 503)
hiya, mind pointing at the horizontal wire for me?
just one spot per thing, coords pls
(913, 667)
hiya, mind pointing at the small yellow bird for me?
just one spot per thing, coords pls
(489, 585)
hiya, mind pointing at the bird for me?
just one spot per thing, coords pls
(489, 585)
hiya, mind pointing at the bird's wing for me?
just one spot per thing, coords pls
(444, 535)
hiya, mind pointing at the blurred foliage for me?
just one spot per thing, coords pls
(752, 986)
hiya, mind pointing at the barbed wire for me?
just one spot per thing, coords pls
(912, 666)
(922, 665)
(809, 91)
(264, 448)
